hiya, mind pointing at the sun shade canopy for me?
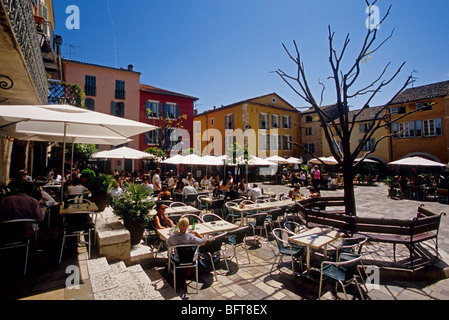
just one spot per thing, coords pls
(58, 123)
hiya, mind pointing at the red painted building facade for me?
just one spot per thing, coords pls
(156, 103)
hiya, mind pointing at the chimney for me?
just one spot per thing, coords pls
(130, 67)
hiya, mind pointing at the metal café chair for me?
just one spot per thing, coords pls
(190, 199)
(78, 225)
(181, 257)
(258, 222)
(231, 213)
(236, 238)
(213, 249)
(202, 205)
(18, 233)
(342, 272)
(293, 227)
(193, 218)
(209, 217)
(286, 249)
(177, 204)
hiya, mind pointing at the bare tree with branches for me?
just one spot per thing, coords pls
(344, 83)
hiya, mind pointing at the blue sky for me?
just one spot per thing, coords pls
(224, 51)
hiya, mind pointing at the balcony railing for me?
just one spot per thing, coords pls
(21, 19)
(62, 93)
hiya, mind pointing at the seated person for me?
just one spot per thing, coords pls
(160, 220)
(255, 193)
(115, 189)
(233, 194)
(188, 189)
(205, 183)
(45, 200)
(313, 193)
(148, 185)
(217, 193)
(295, 193)
(242, 189)
(76, 188)
(21, 206)
(172, 181)
(179, 187)
(164, 194)
(183, 237)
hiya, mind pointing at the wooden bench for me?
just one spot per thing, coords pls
(425, 226)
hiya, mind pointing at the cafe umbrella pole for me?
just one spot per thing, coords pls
(63, 161)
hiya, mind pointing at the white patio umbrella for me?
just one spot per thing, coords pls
(256, 161)
(123, 153)
(277, 159)
(212, 161)
(327, 160)
(417, 161)
(173, 160)
(293, 160)
(366, 160)
(64, 123)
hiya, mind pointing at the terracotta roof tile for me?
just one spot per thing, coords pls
(434, 90)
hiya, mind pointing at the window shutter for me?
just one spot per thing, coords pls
(279, 143)
(113, 108)
(232, 121)
(395, 129)
(438, 127)
(411, 128)
(260, 121)
(147, 108)
(418, 128)
(177, 111)
(267, 121)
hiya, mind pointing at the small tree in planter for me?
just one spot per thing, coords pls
(133, 208)
(99, 185)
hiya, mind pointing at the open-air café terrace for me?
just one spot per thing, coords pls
(273, 260)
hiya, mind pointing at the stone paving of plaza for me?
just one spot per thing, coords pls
(253, 281)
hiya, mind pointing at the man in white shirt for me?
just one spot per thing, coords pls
(188, 189)
(157, 181)
(255, 193)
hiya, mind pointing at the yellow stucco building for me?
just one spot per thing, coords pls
(364, 121)
(267, 125)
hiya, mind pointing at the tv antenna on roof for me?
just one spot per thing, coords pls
(71, 46)
(413, 77)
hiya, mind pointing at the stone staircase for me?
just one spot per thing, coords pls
(118, 273)
(116, 281)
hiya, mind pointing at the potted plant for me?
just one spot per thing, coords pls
(133, 208)
(99, 185)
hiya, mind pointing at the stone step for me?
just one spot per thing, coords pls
(116, 281)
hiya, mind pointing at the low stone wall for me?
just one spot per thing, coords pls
(113, 240)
